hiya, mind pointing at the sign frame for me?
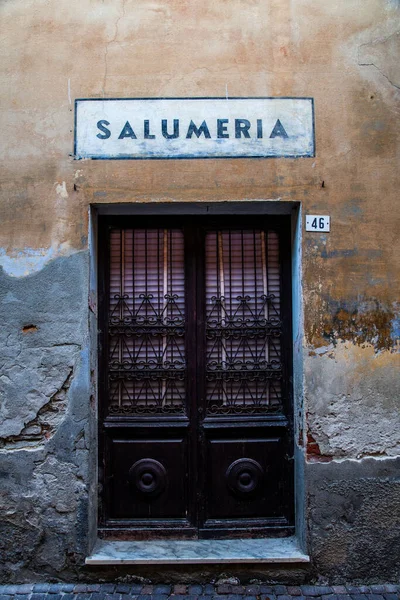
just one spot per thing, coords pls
(310, 154)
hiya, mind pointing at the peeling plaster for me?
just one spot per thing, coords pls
(61, 190)
(43, 427)
(24, 262)
(352, 402)
(360, 321)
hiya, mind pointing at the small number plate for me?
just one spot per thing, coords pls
(318, 223)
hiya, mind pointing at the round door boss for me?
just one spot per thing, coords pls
(148, 476)
(244, 477)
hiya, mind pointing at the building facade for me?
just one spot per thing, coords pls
(199, 287)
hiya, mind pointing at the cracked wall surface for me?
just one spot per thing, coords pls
(44, 425)
(344, 54)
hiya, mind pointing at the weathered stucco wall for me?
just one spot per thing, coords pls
(345, 54)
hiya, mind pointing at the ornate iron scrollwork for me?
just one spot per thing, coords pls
(146, 323)
(245, 377)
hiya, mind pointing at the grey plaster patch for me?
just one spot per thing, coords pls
(45, 409)
(41, 342)
(354, 519)
(352, 405)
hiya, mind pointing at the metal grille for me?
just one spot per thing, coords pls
(147, 363)
(243, 324)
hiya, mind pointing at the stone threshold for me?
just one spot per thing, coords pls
(167, 552)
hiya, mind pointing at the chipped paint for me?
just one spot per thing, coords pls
(21, 263)
(61, 190)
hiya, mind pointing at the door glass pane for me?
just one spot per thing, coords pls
(243, 322)
(147, 363)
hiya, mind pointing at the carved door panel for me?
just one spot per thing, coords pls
(195, 434)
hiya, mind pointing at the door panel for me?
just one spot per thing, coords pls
(148, 478)
(243, 477)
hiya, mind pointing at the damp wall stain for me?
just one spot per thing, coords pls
(360, 322)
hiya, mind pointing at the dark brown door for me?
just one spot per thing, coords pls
(195, 412)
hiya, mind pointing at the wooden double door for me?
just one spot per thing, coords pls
(195, 377)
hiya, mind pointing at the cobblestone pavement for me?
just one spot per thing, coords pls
(223, 591)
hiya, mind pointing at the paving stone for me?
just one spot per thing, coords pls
(317, 590)
(136, 588)
(67, 587)
(339, 589)
(238, 589)
(208, 589)
(224, 588)
(147, 590)
(162, 589)
(308, 590)
(378, 589)
(268, 597)
(25, 588)
(391, 596)
(108, 588)
(94, 587)
(97, 596)
(179, 589)
(83, 596)
(293, 590)
(357, 596)
(37, 596)
(68, 596)
(80, 587)
(266, 589)
(5, 597)
(280, 590)
(41, 587)
(284, 597)
(392, 589)
(374, 596)
(195, 590)
(144, 597)
(253, 589)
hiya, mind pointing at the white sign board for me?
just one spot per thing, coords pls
(318, 223)
(194, 128)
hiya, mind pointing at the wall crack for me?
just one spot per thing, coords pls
(112, 41)
(42, 428)
(382, 54)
